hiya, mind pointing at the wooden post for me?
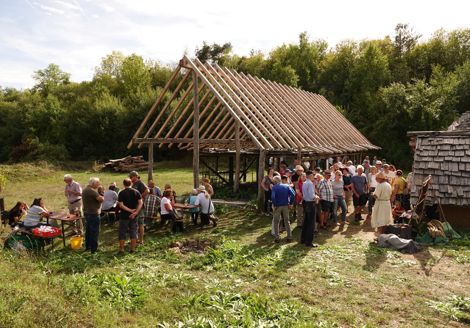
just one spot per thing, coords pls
(299, 155)
(196, 132)
(230, 170)
(150, 165)
(236, 185)
(244, 168)
(261, 160)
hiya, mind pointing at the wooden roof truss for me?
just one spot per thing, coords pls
(233, 107)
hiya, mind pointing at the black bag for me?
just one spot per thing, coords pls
(401, 230)
(175, 216)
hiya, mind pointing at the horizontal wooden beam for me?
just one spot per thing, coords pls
(178, 140)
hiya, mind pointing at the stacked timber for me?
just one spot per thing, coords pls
(126, 164)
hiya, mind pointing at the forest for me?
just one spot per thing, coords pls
(385, 87)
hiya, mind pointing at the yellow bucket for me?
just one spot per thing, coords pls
(76, 242)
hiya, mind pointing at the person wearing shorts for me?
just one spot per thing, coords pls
(138, 185)
(130, 203)
(326, 198)
(360, 189)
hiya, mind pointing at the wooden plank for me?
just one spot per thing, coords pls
(261, 162)
(155, 122)
(155, 105)
(236, 185)
(196, 131)
(222, 99)
(150, 162)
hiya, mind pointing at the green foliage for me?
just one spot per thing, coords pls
(456, 307)
(114, 290)
(385, 87)
(237, 310)
(48, 79)
(214, 53)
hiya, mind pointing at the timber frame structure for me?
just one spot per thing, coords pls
(211, 109)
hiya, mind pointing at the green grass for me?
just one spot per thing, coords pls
(243, 280)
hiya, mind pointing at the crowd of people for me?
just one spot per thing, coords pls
(315, 197)
(134, 206)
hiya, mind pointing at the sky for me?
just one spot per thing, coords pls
(77, 34)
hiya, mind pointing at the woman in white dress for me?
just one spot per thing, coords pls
(382, 210)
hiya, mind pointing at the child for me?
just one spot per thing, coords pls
(397, 211)
(194, 211)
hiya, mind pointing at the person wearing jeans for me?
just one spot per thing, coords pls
(91, 208)
(282, 197)
(308, 197)
(339, 197)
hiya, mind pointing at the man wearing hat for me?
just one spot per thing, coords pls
(282, 196)
(382, 211)
(138, 185)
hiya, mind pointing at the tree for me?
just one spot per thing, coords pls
(214, 53)
(134, 75)
(49, 78)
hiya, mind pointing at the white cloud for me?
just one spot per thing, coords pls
(81, 32)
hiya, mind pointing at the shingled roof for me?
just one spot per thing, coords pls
(270, 116)
(446, 156)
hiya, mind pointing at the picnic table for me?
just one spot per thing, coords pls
(183, 207)
(74, 221)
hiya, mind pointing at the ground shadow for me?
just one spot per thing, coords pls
(375, 257)
(426, 260)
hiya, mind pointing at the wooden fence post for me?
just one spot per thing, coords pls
(261, 162)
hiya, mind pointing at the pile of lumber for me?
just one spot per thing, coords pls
(126, 164)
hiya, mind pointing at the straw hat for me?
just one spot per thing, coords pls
(380, 175)
(299, 168)
(201, 188)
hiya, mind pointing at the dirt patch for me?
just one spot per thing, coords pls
(198, 246)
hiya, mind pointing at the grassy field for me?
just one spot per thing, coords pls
(229, 276)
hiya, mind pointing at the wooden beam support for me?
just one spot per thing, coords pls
(261, 162)
(196, 131)
(178, 140)
(150, 161)
(236, 185)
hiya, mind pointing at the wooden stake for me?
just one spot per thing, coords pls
(150, 167)
(236, 185)
(196, 132)
(261, 160)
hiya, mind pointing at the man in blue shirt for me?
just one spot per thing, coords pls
(309, 197)
(281, 196)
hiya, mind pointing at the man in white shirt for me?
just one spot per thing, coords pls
(73, 192)
(351, 168)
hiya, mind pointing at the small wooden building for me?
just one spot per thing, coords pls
(445, 155)
(209, 109)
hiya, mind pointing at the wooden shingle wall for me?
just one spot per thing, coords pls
(447, 159)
